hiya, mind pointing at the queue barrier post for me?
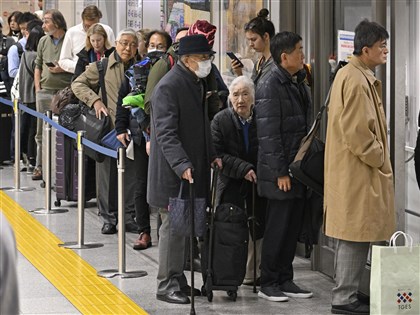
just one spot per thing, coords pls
(47, 173)
(80, 244)
(17, 187)
(121, 228)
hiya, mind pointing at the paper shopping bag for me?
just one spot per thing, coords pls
(395, 280)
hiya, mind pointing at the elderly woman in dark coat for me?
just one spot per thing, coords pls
(235, 139)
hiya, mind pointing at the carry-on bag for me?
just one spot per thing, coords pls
(395, 278)
(66, 171)
(225, 248)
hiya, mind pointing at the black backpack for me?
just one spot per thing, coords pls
(4, 63)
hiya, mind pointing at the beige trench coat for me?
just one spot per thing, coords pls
(87, 83)
(358, 188)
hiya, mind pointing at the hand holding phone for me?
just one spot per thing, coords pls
(50, 64)
(233, 57)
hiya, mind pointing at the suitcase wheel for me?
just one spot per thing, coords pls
(232, 295)
(42, 184)
(57, 203)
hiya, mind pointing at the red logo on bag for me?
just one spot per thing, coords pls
(404, 297)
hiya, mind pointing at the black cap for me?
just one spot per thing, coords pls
(194, 45)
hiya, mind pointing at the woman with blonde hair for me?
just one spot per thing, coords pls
(97, 47)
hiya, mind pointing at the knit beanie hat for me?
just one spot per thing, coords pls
(205, 28)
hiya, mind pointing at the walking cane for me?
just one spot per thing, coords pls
(192, 235)
(254, 238)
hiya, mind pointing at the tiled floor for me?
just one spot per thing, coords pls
(39, 296)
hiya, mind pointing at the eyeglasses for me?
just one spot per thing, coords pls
(127, 44)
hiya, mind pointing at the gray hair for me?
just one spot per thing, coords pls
(247, 82)
(127, 31)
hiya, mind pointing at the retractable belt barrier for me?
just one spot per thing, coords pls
(81, 141)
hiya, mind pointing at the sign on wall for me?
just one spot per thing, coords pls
(345, 45)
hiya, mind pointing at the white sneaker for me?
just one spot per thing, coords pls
(273, 294)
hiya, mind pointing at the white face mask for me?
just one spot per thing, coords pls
(150, 50)
(204, 68)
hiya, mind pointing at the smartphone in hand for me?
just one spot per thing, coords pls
(50, 64)
(233, 57)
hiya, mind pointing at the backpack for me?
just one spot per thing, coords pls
(137, 76)
(4, 62)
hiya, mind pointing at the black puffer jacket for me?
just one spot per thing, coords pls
(282, 110)
(229, 144)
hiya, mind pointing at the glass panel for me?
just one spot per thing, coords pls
(233, 16)
(177, 14)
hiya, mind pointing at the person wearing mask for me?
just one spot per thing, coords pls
(48, 80)
(75, 38)
(85, 87)
(180, 143)
(283, 111)
(358, 177)
(27, 92)
(258, 32)
(234, 134)
(97, 47)
(157, 43)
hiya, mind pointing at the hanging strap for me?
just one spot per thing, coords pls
(102, 65)
(30, 71)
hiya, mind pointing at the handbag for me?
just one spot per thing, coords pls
(95, 129)
(308, 164)
(179, 214)
(110, 140)
(395, 278)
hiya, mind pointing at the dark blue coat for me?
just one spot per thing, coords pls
(283, 107)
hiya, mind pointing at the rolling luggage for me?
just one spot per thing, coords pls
(66, 182)
(225, 248)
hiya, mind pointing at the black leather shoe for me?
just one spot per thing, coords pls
(187, 290)
(355, 308)
(176, 297)
(109, 228)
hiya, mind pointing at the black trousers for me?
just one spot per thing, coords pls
(27, 134)
(107, 190)
(282, 225)
(136, 187)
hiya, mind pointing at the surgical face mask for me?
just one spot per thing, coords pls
(204, 68)
(150, 50)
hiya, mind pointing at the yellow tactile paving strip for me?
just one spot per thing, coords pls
(68, 272)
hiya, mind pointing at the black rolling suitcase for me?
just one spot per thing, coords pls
(225, 248)
(67, 173)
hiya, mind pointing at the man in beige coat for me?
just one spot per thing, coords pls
(85, 87)
(359, 194)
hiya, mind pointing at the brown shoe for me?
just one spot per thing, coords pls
(37, 174)
(143, 242)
